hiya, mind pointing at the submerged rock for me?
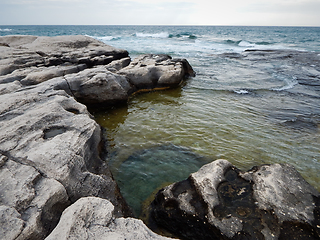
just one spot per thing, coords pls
(146, 171)
(221, 202)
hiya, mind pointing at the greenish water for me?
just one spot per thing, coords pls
(243, 129)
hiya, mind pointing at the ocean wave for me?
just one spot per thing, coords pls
(152, 35)
(244, 43)
(232, 42)
(105, 38)
(289, 84)
(184, 35)
(241, 91)
(165, 35)
(5, 29)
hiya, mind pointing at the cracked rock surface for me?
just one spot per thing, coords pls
(93, 218)
(50, 145)
(221, 202)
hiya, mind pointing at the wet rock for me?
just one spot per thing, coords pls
(93, 218)
(221, 202)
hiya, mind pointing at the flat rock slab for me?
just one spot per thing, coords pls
(221, 202)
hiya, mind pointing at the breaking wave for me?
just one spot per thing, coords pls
(152, 35)
(165, 35)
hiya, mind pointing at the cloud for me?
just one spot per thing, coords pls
(259, 12)
(158, 12)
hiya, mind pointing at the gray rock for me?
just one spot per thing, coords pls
(156, 71)
(50, 145)
(50, 131)
(221, 202)
(116, 65)
(30, 203)
(98, 85)
(38, 52)
(93, 218)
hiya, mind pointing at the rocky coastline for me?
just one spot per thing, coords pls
(54, 183)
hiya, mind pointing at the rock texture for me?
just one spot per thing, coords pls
(50, 145)
(93, 218)
(221, 202)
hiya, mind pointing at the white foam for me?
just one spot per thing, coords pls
(241, 91)
(153, 35)
(246, 44)
(106, 38)
(5, 29)
(289, 84)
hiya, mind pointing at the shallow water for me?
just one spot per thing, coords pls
(248, 107)
(247, 126)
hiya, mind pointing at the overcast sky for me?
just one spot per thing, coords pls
(161, 12)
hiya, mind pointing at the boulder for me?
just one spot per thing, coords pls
(98, 86)
(156, 71)
(93, 218)
(221, 202)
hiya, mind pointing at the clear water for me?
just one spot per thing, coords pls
(249, 110)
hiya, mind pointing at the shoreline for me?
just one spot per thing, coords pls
(50, 141)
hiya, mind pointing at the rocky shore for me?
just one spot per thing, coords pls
(54, 183)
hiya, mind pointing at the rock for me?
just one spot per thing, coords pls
(156, 71)
(49, 130)
(38, 52)
(50, 145)
(30, 203)
(98, 85)
(221, 202)
(93, 218)
(116, 65)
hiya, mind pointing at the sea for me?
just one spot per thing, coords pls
(255, 100)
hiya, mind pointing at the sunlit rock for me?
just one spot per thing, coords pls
(93, 218)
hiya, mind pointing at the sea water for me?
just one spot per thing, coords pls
(248, 108)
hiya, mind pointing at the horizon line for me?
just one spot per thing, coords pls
(164, 25)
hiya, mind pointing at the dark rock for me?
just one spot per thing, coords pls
(221, 202)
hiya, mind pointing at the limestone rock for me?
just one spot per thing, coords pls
(93, 218)
(30, 203)
(22, 52)
(221, 202)
(53, 147)
(50, 145)
(156, 71)
(98, 85)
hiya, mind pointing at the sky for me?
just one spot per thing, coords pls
(161, 12)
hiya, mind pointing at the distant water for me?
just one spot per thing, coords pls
(247, 107)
